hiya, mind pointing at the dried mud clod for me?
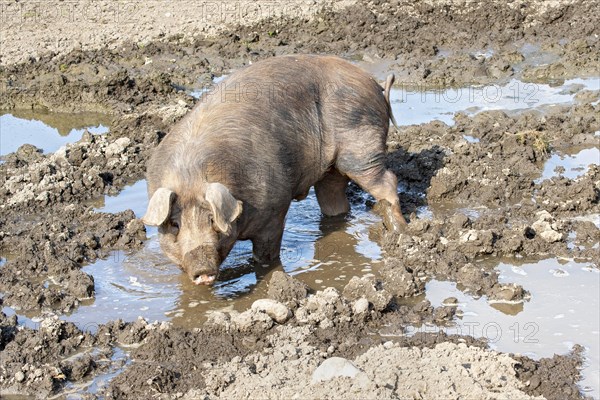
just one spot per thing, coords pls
(287, 289)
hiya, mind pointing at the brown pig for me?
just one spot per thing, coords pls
(231, 167)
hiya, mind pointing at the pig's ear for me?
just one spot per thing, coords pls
(224, 206)
(159, 207)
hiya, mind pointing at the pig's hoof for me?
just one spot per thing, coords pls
(205, 280)
(394, 225)
(392, 220)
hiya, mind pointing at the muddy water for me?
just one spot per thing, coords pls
(572, 163)
(322, 252)
(413, 106)
(562, 311)
(48, 131)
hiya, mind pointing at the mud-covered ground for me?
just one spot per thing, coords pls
(141, 75)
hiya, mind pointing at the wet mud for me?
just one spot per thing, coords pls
(476, 184)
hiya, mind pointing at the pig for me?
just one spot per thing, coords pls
(231, 167)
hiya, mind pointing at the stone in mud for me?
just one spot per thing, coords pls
(370, 289)
(274, 309)
(286, 289)
(422, 306)
(332, 368)
(470, 236)
(117, 147)
(450, 302)
(321, 308)
(445, 313)
(252, 321)
(545, 227)
(19, 376)
(360, 306)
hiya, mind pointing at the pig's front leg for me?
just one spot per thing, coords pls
(266, 250)
(266, 245)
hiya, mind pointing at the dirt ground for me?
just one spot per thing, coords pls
(132, 60)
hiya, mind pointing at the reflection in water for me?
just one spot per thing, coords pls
(48, 131)
(508, 308)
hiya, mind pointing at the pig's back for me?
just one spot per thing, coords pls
(294, 110)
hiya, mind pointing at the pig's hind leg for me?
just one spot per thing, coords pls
(382, 184)
(331, 193)
(364, 163)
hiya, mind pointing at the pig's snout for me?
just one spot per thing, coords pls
(201, 266)
(204, 279)
(203, 276)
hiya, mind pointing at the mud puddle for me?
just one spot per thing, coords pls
(321, 252)
(560, 313)
(412, 106)
(133, 197)
(571, 163)
(329, 252)
(48, 131)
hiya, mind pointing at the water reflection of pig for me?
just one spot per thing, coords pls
(330, 129)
